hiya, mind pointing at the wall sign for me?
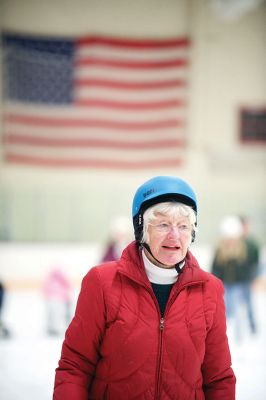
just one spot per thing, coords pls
(253, 124)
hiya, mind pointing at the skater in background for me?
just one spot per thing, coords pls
(231, 264)
(251, 272)
(4, 331)
(119, 236)
(57, 295)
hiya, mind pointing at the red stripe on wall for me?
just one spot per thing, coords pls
(129, 85)
(77, 122)
(79, 163)
(131, 106)
(151, 65)
(134, 43)
(55, 142)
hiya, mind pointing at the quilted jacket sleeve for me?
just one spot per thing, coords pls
(80, 348)
(218, 376)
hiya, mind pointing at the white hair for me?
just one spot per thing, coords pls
(170, 209)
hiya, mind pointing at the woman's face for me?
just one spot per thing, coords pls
(169, 240)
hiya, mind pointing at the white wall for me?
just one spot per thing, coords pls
(117, 17)
(228, 71)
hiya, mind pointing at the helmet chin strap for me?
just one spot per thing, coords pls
(177, 266)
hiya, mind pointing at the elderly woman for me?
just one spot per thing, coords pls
(152, 324)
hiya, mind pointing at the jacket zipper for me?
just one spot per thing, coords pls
(158, 375)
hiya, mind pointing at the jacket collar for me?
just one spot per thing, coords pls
(131, 265)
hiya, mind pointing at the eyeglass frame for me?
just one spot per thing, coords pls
(164, 227)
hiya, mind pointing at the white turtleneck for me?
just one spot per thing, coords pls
(161, 276)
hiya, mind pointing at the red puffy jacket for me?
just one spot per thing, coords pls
(118, 347)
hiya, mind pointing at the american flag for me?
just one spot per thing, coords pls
(95, 102)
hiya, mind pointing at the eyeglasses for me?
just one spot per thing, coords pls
(163, 227)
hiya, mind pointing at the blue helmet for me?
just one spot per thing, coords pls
(157, 190)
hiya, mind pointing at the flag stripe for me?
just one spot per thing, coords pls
(117, 74)
(86, 113)
(104, 153)
(92, 163)
(130, 43)
(91, 123)
(57, 142)
(141, 106)
(89, 134)
(129, 85)
(101, 62)
(118, 95)
(151, 55)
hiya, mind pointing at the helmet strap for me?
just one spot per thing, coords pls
(177, 266)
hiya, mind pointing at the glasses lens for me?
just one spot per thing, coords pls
(165, 228)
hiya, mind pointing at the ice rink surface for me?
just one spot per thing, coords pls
(29, 357)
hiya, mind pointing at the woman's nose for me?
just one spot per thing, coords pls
(174, 231)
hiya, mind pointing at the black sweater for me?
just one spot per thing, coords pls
(162, 293)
